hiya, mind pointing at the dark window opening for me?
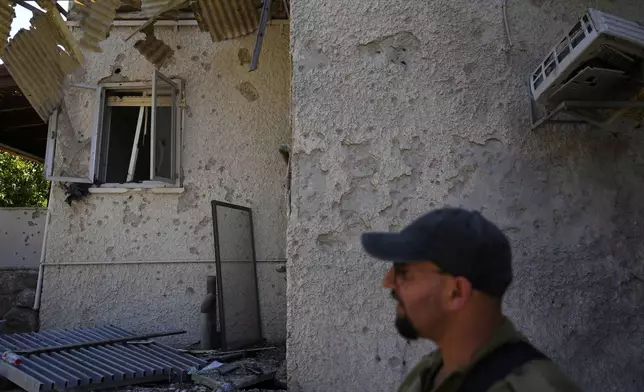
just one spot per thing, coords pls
(121, 151)
(120, 138)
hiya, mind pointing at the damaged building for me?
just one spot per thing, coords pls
(154, 115)
(213, 140)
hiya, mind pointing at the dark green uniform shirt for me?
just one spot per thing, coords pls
(534, 376)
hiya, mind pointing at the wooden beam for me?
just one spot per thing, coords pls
(19, 119)
(16, 109)
(20, 153)
(138, 101)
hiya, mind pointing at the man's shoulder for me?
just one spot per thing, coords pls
(541, 375)
(413, 381)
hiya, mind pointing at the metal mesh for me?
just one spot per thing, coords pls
(239, 303)
(92, 367)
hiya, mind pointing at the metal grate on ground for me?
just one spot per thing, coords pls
(95, 366)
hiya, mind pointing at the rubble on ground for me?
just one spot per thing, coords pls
(259, 371)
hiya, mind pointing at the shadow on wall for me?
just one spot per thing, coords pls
(571, 203)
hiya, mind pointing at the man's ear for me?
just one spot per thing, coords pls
(460, 293)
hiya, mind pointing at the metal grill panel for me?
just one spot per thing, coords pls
(96, 366)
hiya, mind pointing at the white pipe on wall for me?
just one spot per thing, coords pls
(130, 262)
(43, 250)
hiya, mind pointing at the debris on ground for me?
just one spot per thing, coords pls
(260, 369)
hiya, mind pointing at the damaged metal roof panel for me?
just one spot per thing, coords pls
(6, 17)
(226, 19)
(154, 49)
(96, 19)
(81, 359)
(40, 58)
(153, 7)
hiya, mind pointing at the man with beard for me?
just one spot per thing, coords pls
(451, 268)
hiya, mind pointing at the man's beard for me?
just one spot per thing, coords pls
(404, 326)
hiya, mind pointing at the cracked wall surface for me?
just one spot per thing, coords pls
(230, 153)
(401, 108)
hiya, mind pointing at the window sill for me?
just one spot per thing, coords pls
(96, 190)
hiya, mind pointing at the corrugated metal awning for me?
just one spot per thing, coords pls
(6, 18)
(155, 50)
(226, 19)
(94, 366)
(40, 58)
(150, 8)
(96, 19)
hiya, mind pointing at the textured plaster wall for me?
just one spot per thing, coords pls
(21, 234)
(402, 106)
(230, 153)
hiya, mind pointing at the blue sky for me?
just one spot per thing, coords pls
(23, 15)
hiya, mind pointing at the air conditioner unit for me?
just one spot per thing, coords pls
(601, 59)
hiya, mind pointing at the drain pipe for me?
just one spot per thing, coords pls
(43, 251)
(210, 338)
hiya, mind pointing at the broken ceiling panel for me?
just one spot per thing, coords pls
(155, 50)
(6, 17)
(96, 18)
(40, 58)
(226, 19)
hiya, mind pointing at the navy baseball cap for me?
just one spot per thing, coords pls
(460, 242)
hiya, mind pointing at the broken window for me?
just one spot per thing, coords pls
(128, 137)
(71, 138)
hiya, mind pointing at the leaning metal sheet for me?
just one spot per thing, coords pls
(96, 366)
(237, 278)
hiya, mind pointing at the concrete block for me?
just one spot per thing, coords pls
(26, 298)
(18, 320)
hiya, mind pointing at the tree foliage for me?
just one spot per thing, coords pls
(22, 182)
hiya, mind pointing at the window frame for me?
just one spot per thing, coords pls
(52, 134)
(99, 121)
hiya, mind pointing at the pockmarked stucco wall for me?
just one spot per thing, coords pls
(21, 236)
(235, 121)
(402, 107)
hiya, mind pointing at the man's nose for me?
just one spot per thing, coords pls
(389, 282)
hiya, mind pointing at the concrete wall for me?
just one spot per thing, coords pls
(402, 106)
(230, 153)
(21, 235)
(17, 294)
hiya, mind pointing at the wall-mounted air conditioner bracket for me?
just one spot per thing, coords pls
(581, 112)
